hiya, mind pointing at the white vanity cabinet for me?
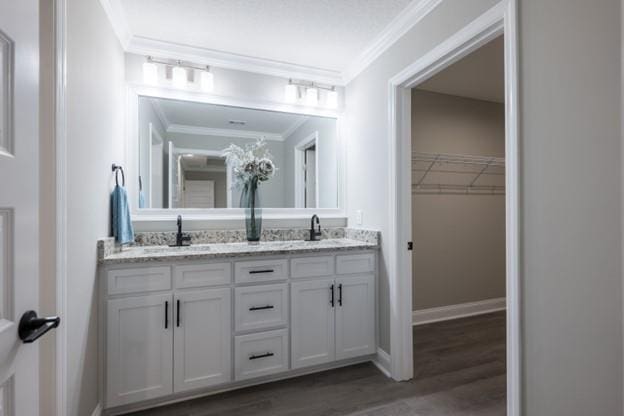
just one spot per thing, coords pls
(192, 327)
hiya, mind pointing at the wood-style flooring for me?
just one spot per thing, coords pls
(459, 369)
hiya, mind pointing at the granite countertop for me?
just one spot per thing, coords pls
(143, 254)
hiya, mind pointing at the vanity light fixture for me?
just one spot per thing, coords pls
(179, 77)
(312, 92)
(290, 92)
(206, 80)
(150, 72)
(311, 97)
(331, 100)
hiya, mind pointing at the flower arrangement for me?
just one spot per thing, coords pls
(250, 162)
(251, 165)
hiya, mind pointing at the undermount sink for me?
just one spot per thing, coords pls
(173, 249)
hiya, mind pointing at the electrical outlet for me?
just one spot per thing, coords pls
(359, 217)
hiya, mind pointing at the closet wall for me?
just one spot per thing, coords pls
(459, 240)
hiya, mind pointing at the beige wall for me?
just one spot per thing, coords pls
(459, 240)
(95, 137)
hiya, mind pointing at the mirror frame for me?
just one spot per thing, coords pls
(144, 216)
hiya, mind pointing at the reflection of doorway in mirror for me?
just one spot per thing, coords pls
(199, 194)
(204, 178)
(306, 168)
(156, 166)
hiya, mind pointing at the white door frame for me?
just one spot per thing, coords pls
(500, 19)
(299, 162)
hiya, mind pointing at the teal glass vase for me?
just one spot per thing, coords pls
(250, 201)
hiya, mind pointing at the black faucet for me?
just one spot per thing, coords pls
(182, 240)
(315, 234)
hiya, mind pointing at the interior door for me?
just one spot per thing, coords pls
(19, 202)
(202, 340)
(312, 304)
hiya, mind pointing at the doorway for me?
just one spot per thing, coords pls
(499, 20)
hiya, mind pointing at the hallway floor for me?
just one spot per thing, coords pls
(459, 370)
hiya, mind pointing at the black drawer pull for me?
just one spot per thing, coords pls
(261, 308)
(340, 294)
(331, 293)
(266, 354)
(166, 314)
(178, 314)
(261, 271)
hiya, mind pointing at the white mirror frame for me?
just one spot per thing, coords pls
(149, 218)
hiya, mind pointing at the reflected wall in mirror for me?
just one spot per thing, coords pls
(181, 163)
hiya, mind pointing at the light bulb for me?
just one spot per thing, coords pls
(332, 99)
(290, 93)
(206, 81)
(179, 77)
(311, 96)
(150, 73)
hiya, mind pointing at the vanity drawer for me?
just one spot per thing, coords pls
(201, 275)
(261, 307)
(260, 354)
(260, 270)
(355, 263)
(312, 266)
(137, 280)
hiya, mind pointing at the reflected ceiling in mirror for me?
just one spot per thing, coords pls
(181, 162)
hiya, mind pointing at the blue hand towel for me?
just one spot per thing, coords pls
(141, 200)
(122, 222)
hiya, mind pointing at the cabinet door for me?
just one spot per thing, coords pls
(203, 339)
(139, 349)
(312, 324)
(355, 316)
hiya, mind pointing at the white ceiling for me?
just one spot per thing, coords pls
(212, 116)
(480, 75)
(325, 34)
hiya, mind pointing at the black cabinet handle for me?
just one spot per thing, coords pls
(266, 354)
(31, 327)
(261, 308)
(331, 292)
(261, 271)
(178, 313)
(340, 294)
(166, 314)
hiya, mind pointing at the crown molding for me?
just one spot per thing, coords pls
(209, 131)
(398, 27)
(203, 56)
(298, 123)
(114, 12)
(139, 45)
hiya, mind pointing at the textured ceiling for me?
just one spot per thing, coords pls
(480, 75)
(326, 34)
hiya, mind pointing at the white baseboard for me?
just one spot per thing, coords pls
(98, 410)
(445, 313)
(382, 362)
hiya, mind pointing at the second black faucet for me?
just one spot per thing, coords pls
(182, 239)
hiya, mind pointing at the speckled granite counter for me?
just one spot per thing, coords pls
(143, 254)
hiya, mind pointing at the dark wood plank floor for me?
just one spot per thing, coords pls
(459, 369)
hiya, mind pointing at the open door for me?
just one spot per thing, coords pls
(19, 209)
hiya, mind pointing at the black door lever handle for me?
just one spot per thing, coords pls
(31, 327)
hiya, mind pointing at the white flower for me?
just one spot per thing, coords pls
(252, 160)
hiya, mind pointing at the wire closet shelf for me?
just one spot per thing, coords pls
(455, 174)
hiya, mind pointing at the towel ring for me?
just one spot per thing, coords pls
(116, 169)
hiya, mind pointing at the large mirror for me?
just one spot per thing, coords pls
(182, 164)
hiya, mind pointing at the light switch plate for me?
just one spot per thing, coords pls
(359, 217)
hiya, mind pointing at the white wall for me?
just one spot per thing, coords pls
(571, 185)
(367, 127)
(95, 134)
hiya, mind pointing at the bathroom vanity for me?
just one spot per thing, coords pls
(184, 321)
